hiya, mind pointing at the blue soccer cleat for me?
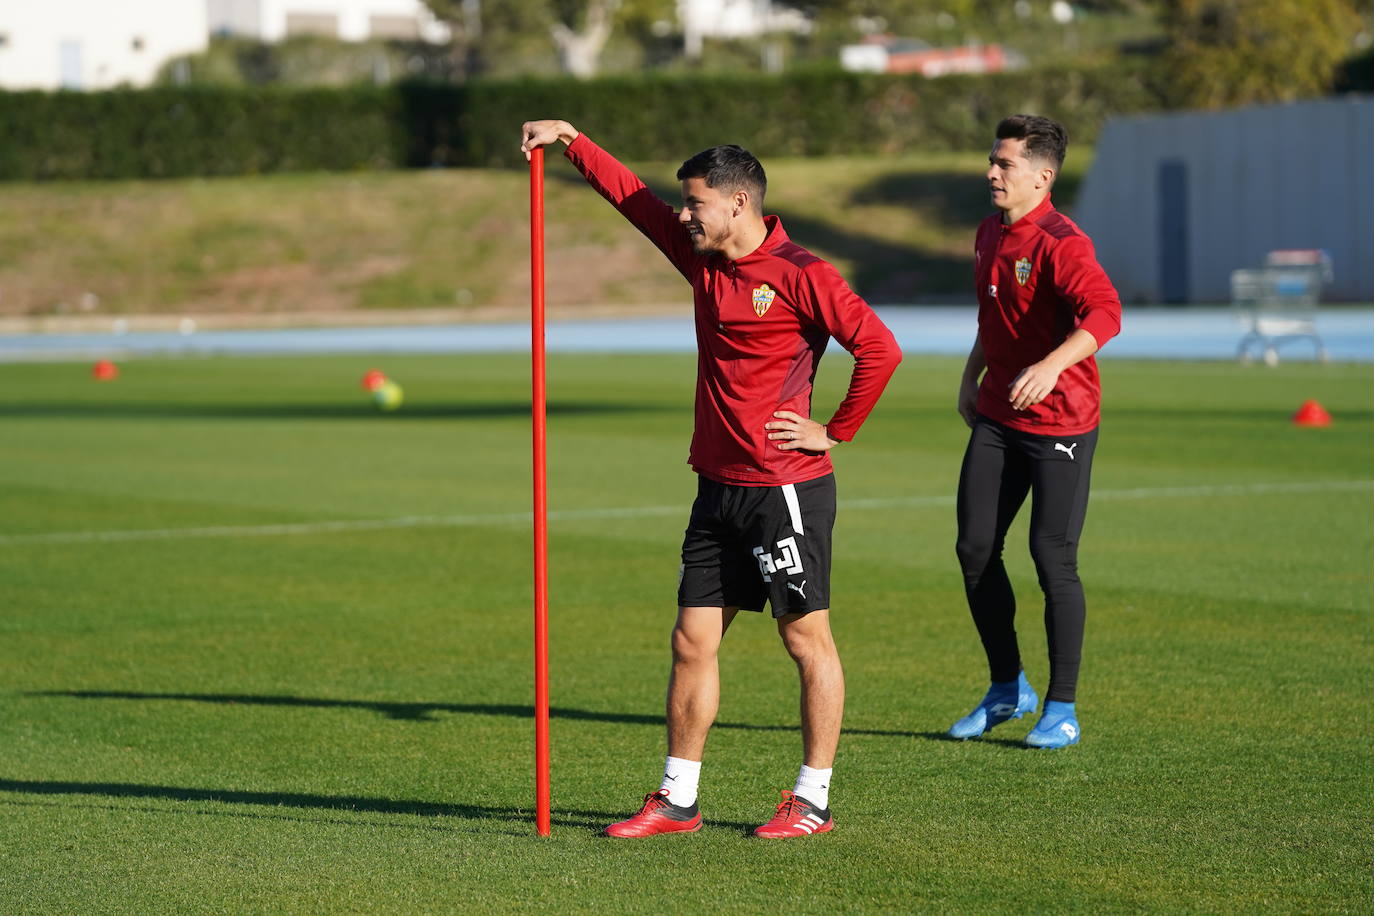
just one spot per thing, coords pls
(1008, 700)
(1058, 727)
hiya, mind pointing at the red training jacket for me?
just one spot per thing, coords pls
(1038, 280)
(762, 324)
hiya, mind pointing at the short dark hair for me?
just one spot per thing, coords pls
(1046, 139)
(728, 169)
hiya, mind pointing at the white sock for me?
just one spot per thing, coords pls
(680, 778)
(814, 786)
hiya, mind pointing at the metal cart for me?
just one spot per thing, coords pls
(1277, 303)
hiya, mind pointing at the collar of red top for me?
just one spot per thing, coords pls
(1031, 218)
(775, 237)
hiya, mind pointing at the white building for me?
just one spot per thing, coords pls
(350, 20)
(100, 44)
(95, 44)
(735, 19)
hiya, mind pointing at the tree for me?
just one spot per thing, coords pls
(1234, 52)
(579, 48)
(578, 29)
(464, 19)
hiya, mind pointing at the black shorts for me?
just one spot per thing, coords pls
(745, 545)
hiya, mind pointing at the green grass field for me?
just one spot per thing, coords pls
(277, 711)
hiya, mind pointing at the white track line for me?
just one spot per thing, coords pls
(569, 515)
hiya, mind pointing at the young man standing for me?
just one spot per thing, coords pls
(760, 527)
(1045, 306)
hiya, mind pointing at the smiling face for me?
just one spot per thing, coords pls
(1017, 184)
(722, 201)
(709, 215)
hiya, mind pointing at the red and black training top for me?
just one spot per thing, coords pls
(1038, 281)
(762, 323)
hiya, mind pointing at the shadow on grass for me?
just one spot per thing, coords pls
(424, 712)
(427, 825)
(593, 820)
(269, 411)
(938, 736)
(959, 197)
(982, 739)
(884, 271)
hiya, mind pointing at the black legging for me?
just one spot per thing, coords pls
(1000, 467)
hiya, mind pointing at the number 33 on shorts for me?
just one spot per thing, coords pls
(788, 562)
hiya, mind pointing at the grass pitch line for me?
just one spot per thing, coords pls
(504, 518)
(224, 531)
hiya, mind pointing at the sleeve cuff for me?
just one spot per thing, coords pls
(574, 148)
(1102, 327)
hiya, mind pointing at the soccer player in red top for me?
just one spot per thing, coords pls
(760, 526)
(1045, 306)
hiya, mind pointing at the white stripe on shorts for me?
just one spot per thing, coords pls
(789, 493)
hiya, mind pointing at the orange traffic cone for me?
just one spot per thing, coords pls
(1311, 414)
(104, 371)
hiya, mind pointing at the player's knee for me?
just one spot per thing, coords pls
(1054, 558)
(807, 644)
(975, 551)
(691, 647)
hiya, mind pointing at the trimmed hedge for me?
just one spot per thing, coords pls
(159, 133)
(811, 113)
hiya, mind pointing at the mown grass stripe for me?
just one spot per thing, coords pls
(502, 518)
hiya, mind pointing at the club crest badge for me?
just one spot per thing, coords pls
(1023, 267)
(763, 299)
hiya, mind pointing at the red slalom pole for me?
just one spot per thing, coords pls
(541, 496)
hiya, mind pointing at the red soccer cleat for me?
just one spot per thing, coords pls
(796, 817)
(658, 816)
